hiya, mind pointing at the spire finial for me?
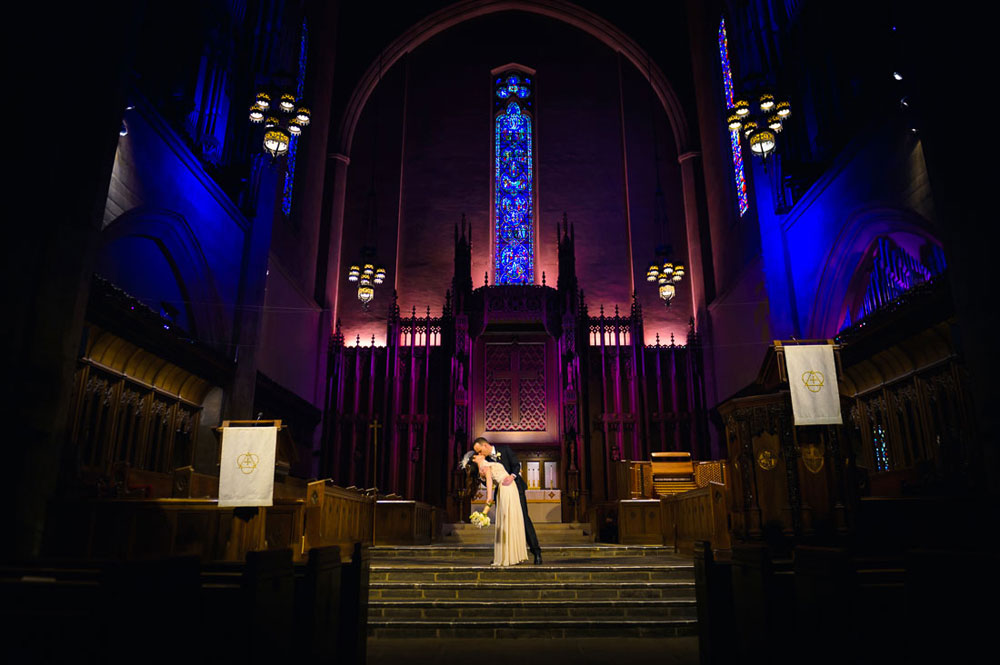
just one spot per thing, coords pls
(543, 278)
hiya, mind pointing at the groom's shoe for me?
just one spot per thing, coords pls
(538, 558)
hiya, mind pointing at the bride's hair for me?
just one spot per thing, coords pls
(475, 473)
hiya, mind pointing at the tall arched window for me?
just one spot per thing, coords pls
(513, 179)
(734, 135)
(293, 143)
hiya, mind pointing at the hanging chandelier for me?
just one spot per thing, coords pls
(281, 119)
(364, 273)
(666, 275)
(367, 278)
(662, 271)
(760, 129)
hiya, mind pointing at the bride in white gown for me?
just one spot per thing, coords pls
(510, 547)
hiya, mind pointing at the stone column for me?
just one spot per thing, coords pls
(337, 182)
(691, 178)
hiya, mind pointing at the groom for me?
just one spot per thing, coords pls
(506, 456)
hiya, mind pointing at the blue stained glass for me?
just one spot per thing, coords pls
(734, 136)
(514, 224)
(881, 449)
(293, 143)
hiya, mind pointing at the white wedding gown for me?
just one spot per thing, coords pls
(509, 544)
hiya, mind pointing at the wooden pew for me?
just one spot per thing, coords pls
(763, 604)
(714, 591)
(318, 586)
(51, 613)
(180, 610)
(352, 633)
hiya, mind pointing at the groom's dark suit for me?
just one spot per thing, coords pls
(509, 460)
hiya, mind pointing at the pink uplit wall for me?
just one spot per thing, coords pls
(431, 123)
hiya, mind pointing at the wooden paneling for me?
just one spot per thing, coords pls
(639, 522)
(404, 523)
(148, 528)
(337, 516)
(701, 514)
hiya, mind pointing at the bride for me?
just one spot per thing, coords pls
(509, 544)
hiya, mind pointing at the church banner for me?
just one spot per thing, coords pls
(246, 477)
(812, 378)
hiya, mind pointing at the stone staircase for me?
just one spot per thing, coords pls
(582, 590)
(549, 534)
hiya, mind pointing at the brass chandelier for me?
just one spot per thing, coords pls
(282, 119)
(760, 129)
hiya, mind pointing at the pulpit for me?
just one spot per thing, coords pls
(788, 481)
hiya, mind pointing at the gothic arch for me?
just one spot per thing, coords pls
(559, 10)
(174, 237)
(845, 256)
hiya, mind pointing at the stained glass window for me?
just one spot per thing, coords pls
(293, 143)
(881, 449)
(734, 135)
(513, 195)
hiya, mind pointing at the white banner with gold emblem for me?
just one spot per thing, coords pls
(812, 377)
(246, 477)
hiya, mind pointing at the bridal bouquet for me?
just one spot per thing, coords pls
(479, 519)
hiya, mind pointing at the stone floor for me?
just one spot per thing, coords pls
(582, 651)
(440, 593)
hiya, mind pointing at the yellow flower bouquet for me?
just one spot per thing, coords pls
(479, 519)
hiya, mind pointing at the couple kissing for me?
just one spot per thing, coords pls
(500, 470)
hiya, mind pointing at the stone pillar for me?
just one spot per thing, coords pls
(239, 400)
(337, 182)
(694, 193)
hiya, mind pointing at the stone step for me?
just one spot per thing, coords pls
(485, 551)
(445, 572)
(488, 610)
(503, 591)
(523, 628)
(539, 526)
(549, 534)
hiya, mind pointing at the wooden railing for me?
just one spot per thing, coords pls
(701, 514)
(403, 522)
(337, 516)
(317, 515)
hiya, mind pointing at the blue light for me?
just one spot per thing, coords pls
(286, 196)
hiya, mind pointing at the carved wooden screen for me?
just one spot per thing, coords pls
(121, 420)
(515, 387)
